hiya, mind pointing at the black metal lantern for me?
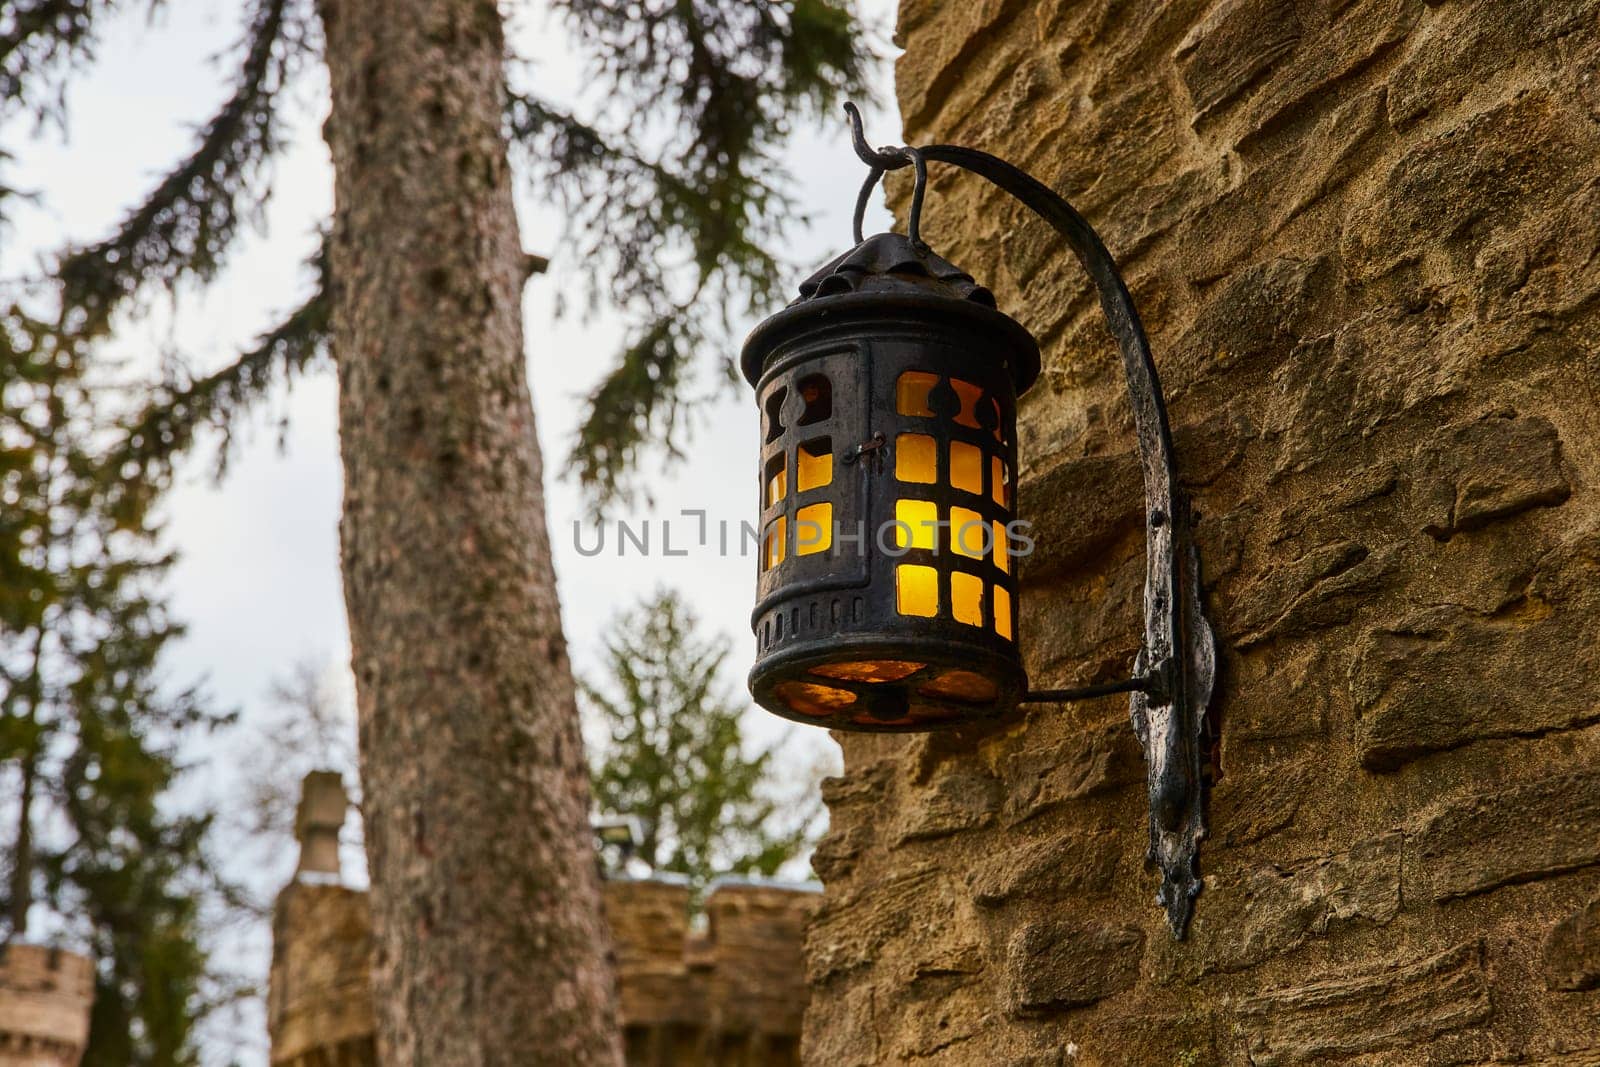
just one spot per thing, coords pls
(887, 595)
(886, 599)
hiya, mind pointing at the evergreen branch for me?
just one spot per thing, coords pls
(187, 223)
(167, 425)
(38, 36)
(730, 78)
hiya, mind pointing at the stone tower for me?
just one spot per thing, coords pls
(1365, 238)
(45, 995)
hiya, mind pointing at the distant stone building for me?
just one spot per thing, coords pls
(730, 995)
(1365, 238)
(45, 996)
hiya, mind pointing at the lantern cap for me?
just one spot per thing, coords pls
(893, 263)
(886, 273)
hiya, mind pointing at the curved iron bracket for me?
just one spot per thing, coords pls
(1176, 665)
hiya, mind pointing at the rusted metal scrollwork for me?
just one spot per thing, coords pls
(1174, 670)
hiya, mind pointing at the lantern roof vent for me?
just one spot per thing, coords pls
(893, 263)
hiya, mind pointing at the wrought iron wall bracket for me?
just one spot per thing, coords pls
(1176, 664)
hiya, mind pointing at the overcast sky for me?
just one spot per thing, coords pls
(258, 582)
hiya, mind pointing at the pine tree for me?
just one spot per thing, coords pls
(490, 947)
(674, 756)
(97, 857)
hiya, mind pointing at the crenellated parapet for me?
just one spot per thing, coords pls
(45, 996)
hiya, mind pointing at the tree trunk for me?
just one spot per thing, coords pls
(490, 945)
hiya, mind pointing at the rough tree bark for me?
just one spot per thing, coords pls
(491, 948)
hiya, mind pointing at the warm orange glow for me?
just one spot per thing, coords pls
(916, 590)
(876, 670)
(1002, 548)
(966, 598)
(815, 466)
(997, 481)
(961, 685)
(813, 529)
(966, 467)
(911, 393)
(777, 484)
(1002, 612)
(969, 534)
(918, 521)
(969, 394)
(810, 699)
(773, 552)
(916, 458)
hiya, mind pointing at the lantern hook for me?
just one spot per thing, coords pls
(880, 161)
(1176, 664)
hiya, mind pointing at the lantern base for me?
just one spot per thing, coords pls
(882, 687)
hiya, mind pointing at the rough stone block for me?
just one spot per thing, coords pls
(1493, 168)
(1065, 963)
(1572, 951)
(1489, 469)
(1469, 43)
(1406, 1003)
(1232, 46)
(1061, 867)
(952, 34)
(1518, 834)
(1038, 780)
(1343, 48)
(958, 801)
(851, 928)
(1319, 589)
(1441, 679)
(1253, 914)
(1078, 508)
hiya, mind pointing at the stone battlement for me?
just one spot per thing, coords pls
(45, 996)
(731, 995)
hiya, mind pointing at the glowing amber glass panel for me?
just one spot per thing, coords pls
(969, 533)
(809, 698)
(916, 590)
(961, 685)
(1002, 548)
(875, 670)
(970, 395)
(1002, 612)
(916, 458)
(911, 393)
(777, 483)
(813, 529)
(814, 466)
(773, 551)
(997, 481)
(917, 523)
(966, 467)
(966, 598)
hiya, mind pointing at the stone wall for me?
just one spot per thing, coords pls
(1365, 238)
(45, 996)
(731, 995)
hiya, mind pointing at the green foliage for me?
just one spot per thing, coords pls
(88, 730)
(681, 238)
(674, 758)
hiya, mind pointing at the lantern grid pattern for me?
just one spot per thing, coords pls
(886, 593)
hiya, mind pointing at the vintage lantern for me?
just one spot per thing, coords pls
(886, 596)
(887, 584)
